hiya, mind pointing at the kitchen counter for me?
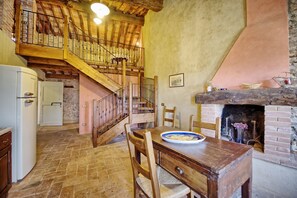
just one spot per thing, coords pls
(4, 130)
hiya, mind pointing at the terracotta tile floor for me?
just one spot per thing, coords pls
(68, 166)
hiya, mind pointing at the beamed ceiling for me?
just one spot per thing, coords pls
(123, 25)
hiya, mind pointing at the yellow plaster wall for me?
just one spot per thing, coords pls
(7, 52)
(190, 37)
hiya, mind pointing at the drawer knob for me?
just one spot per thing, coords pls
(5, 141)
(179, 170)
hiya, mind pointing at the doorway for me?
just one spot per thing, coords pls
(51, 103)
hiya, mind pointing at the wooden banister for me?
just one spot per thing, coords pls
(18, 28)
(130, 102)
(65, 39)
(156, 100)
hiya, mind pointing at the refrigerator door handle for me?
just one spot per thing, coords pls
(29, 94)
(29, 101)
(59, 103)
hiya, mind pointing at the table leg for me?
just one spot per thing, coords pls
(246, 189)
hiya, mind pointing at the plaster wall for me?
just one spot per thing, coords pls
(262, 50)
(88, 91)
(190, 37)
(7, 52)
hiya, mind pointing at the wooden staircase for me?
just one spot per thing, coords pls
(38, 38)
(124, 106)
(55, 41)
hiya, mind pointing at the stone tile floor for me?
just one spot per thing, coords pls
(68, 166)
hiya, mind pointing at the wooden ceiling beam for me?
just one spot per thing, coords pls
(154, 5)
(55, 18)
(60, 76)
(98, 35)
(44, 61)
(119, 16)
(114, 15)
(126, 32)
(82, 27)
(132, 35)
(89, 28)
(64, 15)
(120, 33)
(51, 67)
(47, 18)
(105, 32)
(73, 24)
(52, 2)
(112, 33)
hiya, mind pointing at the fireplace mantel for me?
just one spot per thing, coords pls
(269, 96)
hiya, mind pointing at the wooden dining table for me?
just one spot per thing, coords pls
(212, 168)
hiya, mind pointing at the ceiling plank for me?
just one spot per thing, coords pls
(118, 16)
(154, 5)
(114, 15)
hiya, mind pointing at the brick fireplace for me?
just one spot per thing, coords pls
(279, 118)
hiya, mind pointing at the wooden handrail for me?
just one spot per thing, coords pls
(156, 100)
(66, 37)
(18, 28)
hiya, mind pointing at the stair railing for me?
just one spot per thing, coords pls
(108, 111)
(39, 29)
(144, 96)
(98, 52)
(46, 30)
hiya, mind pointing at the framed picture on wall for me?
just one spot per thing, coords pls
(176, 80)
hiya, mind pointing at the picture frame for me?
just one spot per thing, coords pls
(176, 80)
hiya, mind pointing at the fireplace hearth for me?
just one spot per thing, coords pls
(243, 124)
(271, 131)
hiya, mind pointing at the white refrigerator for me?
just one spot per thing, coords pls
(18, 110)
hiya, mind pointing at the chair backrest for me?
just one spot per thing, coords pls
(205, 125)
(170, 119)
(145, 146)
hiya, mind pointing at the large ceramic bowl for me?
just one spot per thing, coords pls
(182, 137)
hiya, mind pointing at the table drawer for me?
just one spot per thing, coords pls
(5, 140)
(194, 179)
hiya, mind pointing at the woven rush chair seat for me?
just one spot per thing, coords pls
(151, 179)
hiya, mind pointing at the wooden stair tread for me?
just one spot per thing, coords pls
(139, 102)
(145, 108)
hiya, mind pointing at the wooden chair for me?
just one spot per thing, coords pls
(152, 181)
(171, 118)
(216, 127)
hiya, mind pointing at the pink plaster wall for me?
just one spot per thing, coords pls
(261, 51)
(88, 91)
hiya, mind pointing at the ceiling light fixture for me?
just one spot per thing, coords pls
(100, 9)
(97, 21)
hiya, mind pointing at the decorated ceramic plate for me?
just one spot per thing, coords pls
(182, 137)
